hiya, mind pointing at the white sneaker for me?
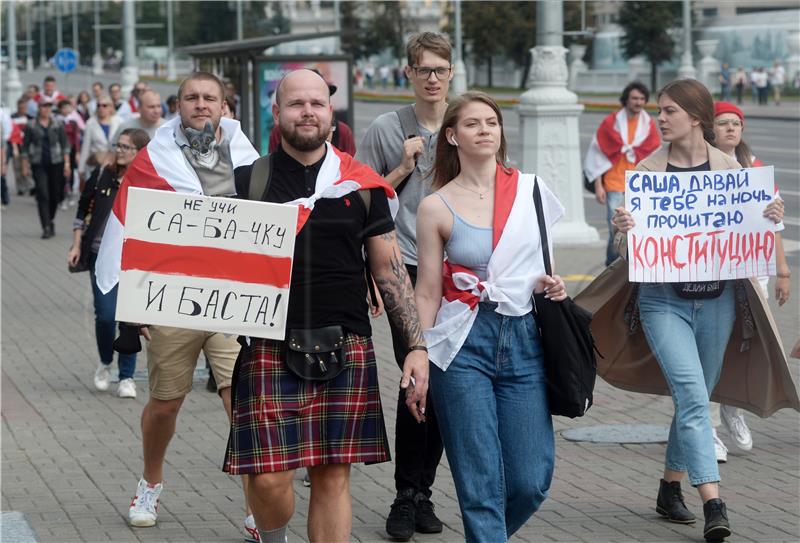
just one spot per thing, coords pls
(733, 419)
(144, 505)
(719, 448)
(126, 388)
(102, 377)
(250, 531)
(63, 205)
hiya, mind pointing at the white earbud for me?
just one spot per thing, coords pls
(453, 141)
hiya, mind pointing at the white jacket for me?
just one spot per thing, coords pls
(95, 140)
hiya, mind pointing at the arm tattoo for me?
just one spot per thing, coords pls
(398, 299)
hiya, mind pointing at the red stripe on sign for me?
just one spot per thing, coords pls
(206, 262)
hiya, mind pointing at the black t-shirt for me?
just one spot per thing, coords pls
(328, 285)
(697, 289)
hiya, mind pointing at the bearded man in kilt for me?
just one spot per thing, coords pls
(324, 420)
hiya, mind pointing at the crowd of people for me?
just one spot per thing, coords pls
(446, 232)
(761, 80)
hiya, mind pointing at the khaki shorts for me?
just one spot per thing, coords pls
(172, 357)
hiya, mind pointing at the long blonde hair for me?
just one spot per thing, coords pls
(446, 165)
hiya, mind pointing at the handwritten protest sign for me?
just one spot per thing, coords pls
(205, 263)
(700, 226)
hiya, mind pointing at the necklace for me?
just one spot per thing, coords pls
(480, 194)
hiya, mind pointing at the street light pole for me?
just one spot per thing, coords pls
(171, 72)
(13, 84)
(460, 70)
(129, 74)
(42, 36)
(239, 21)
(29, 45)
(97, 58)
(75, 31)
(59, 28)
(686, 69)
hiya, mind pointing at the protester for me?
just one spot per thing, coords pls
(728, 128)
(725, 81)
(487, 381)
(98, 90)
(149, 115)
(20, 120)
(689, 325)
(739, 82)
(324, 426)
(87, 229)
(230, 93)
(97, 148)
(341, 136)
(45, 152)
(115, 92)
(623, 139)
(761, 83)
(6, 130)
(50, 93)
(129, 109)
(73, 126)
(777, 79)
(82, 106)
(172, 107)
(404, 156)
(195, 166)
(32, 93)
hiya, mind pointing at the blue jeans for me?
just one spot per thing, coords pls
(495, 424)
(105, 307)
(613, 201)
(688, 339)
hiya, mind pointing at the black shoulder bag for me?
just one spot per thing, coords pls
(567, 342)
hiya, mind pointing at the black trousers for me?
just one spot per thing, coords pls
(49, 180)
(417, 446)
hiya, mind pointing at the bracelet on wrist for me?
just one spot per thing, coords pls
(418, 348)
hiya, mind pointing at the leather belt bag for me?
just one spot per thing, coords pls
(316, 354)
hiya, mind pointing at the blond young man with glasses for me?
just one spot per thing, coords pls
(402, 151)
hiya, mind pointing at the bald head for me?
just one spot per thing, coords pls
(302, 77)
(150, 107)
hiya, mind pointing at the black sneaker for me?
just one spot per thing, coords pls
(426, 520)
(717, 527)
(401, 521)
(670, 504)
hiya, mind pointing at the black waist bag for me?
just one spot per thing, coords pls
(567, 342)
(316, 354)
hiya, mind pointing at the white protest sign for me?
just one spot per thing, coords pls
(205, 263)
(700, 226)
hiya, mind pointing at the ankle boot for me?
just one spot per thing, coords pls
(717, 527)
(670, 504)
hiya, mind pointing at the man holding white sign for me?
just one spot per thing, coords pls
(193, 154)
(313, 400)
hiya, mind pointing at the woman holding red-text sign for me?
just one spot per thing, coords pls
(687, 327)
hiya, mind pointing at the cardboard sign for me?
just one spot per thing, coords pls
(700, 226)
(206, 263)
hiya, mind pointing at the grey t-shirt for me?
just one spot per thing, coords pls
(135, 123)
(216, 177)
(382, 150)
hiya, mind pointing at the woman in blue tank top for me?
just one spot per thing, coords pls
(487, 377)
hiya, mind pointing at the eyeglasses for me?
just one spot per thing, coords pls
(103, 105)
(732, 122)
(423, 72)
(125, 148)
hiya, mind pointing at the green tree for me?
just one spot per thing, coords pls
(386, 28)
(645, 26)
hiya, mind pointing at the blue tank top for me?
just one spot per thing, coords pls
(469, 245)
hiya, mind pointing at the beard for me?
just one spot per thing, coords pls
(305, 143)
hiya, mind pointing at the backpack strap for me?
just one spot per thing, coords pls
(260, 177)
(408, 124)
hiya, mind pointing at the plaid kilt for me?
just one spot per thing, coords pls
(281, 422)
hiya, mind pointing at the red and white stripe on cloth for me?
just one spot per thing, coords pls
(611, 142)
(514, 267)
(161, 166)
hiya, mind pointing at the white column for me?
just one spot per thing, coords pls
(709, 67)
(59, 26)
(171, 72)
(28, 38)
(460, 75)
(793, 47)
(42, 37)
(75, 31)
(129, 74)
(549, 126)
(576, 65)
(13, 86)
(687, 65)
(97, 58)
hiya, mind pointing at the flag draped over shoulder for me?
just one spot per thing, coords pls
(161, 166)
(611, 142)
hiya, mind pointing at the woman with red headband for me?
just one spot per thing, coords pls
(728, 128)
